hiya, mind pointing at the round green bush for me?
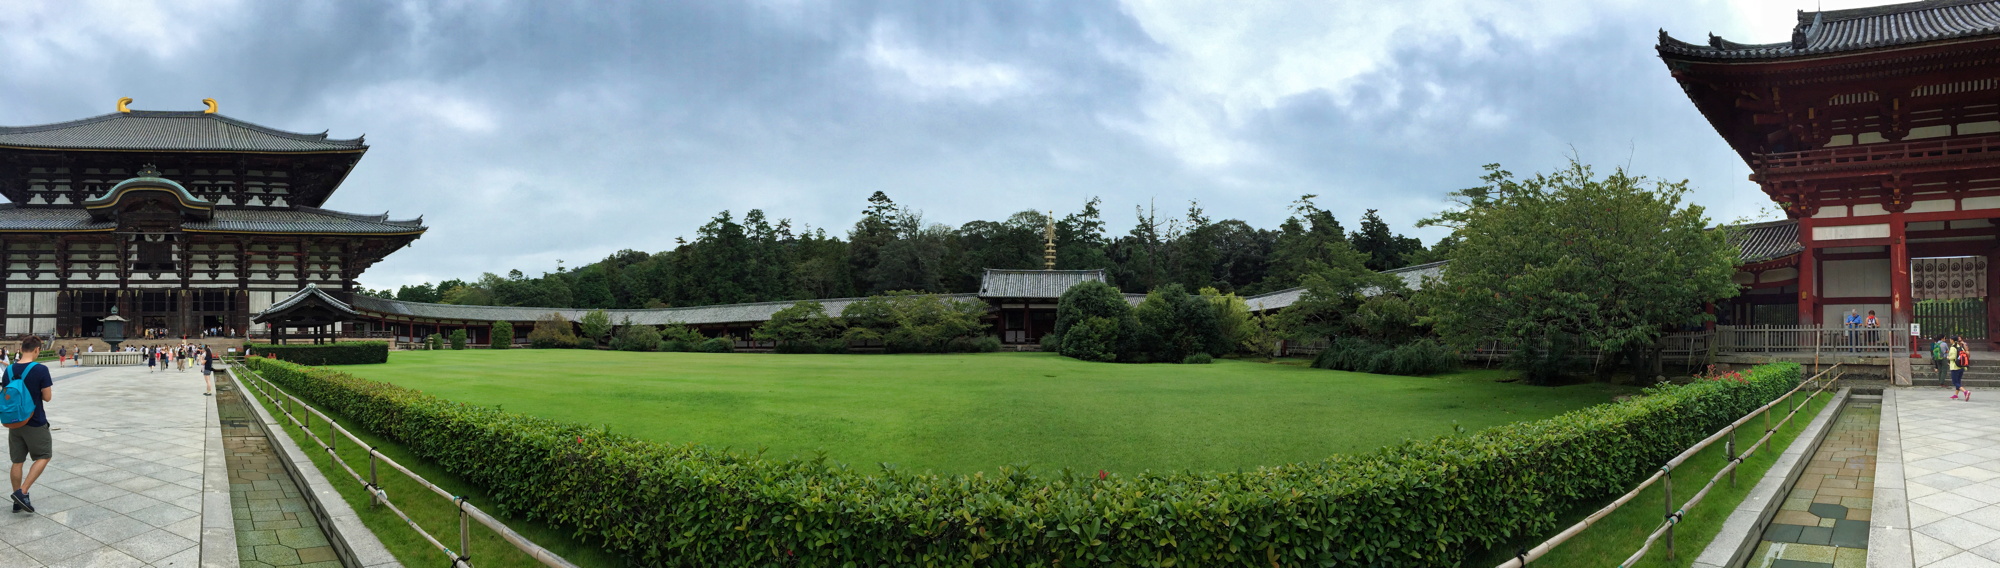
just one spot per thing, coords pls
(716, 345)
(1198, 359)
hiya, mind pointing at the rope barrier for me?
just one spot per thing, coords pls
(467, 511)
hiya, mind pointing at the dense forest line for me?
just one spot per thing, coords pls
(755, 259)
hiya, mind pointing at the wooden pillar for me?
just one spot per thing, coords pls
(1808, 283)
(1901, 308)
(1992, 307)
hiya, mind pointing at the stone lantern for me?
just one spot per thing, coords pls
(114, 329)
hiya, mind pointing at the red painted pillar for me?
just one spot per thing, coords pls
(1808, 284)
(1902, 309)
(1992, 307)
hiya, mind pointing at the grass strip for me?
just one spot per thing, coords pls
(435, 514)
(1615, 538)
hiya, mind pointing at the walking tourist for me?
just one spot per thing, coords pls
(151, 363)
(30, 439)
(62, 356)
(1961, 357)
(208, 371)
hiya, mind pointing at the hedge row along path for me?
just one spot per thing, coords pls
(1422, 503)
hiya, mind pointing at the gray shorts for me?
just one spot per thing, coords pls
(29, 440)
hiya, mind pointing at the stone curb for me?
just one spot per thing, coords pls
(218, 521)
(1744, 527)
(1889, 543)
(358, 545)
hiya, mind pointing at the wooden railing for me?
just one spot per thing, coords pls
(1864, 153)
(1889, 341)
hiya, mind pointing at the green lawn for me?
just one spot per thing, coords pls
(966, 413)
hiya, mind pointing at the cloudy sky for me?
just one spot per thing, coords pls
(527, 132)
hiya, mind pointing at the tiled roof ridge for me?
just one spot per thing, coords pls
(1835, 31)
(382, 219)
(356, 142)
(649, 310)
(1806, 18)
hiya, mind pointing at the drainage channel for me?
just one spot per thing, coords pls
(1823, 522)
(275, 526)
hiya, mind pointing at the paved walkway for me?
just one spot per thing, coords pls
(137, 478)
(1950, 461)
(1823, 522)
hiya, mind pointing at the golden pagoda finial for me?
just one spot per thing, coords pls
(123, 104)
(211, 106)
(1049, 249)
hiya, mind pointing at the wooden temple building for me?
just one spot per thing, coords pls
(186, 222)
(1878, 132)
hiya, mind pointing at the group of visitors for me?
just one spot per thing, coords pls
(1950, 354)
(1855, 324)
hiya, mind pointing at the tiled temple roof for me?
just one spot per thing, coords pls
(1049, 284)
(1766, 241)
(301, 220)
(1834, 31)
(309, 293)
(169, 130)
(697, 315)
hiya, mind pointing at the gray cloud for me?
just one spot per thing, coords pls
(526, 132)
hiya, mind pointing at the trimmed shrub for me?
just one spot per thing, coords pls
(502, 336)
(1051, 343)
(551, 331)
(1420, 503)
(635, 337)
(715, 345)
(1183, 324)
(458, 339)
(584, 343)
(343, 353)
(984, 344)
(1420, 357)
(675, 346)
(1093, 339)
(1198, 359)
(434, 342)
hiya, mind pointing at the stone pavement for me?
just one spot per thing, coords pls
(1950, 461)
(1823, 522)
(275, 525)
(137, 478)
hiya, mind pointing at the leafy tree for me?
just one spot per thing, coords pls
(1385, 250)
(1388, 319)
(881, 223)
(419, 293)
(468, 295)
(1605, 262)
(1232, 320)
(907, 320)
(805, 322)
(1309, 238)
(502, 335)
(595, 324)
(1335, 286)
(1080, 239)
(551, 331)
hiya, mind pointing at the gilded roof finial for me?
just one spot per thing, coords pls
(1049, 249)
(211, 106)
(122, 104)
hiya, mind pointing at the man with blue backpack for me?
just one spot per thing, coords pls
(27, 385)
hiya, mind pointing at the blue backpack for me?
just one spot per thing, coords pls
(17, 405)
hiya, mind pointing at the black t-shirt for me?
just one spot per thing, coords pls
(38, 379)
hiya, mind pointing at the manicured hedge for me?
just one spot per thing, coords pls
(1423, 503)
(343, 353)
